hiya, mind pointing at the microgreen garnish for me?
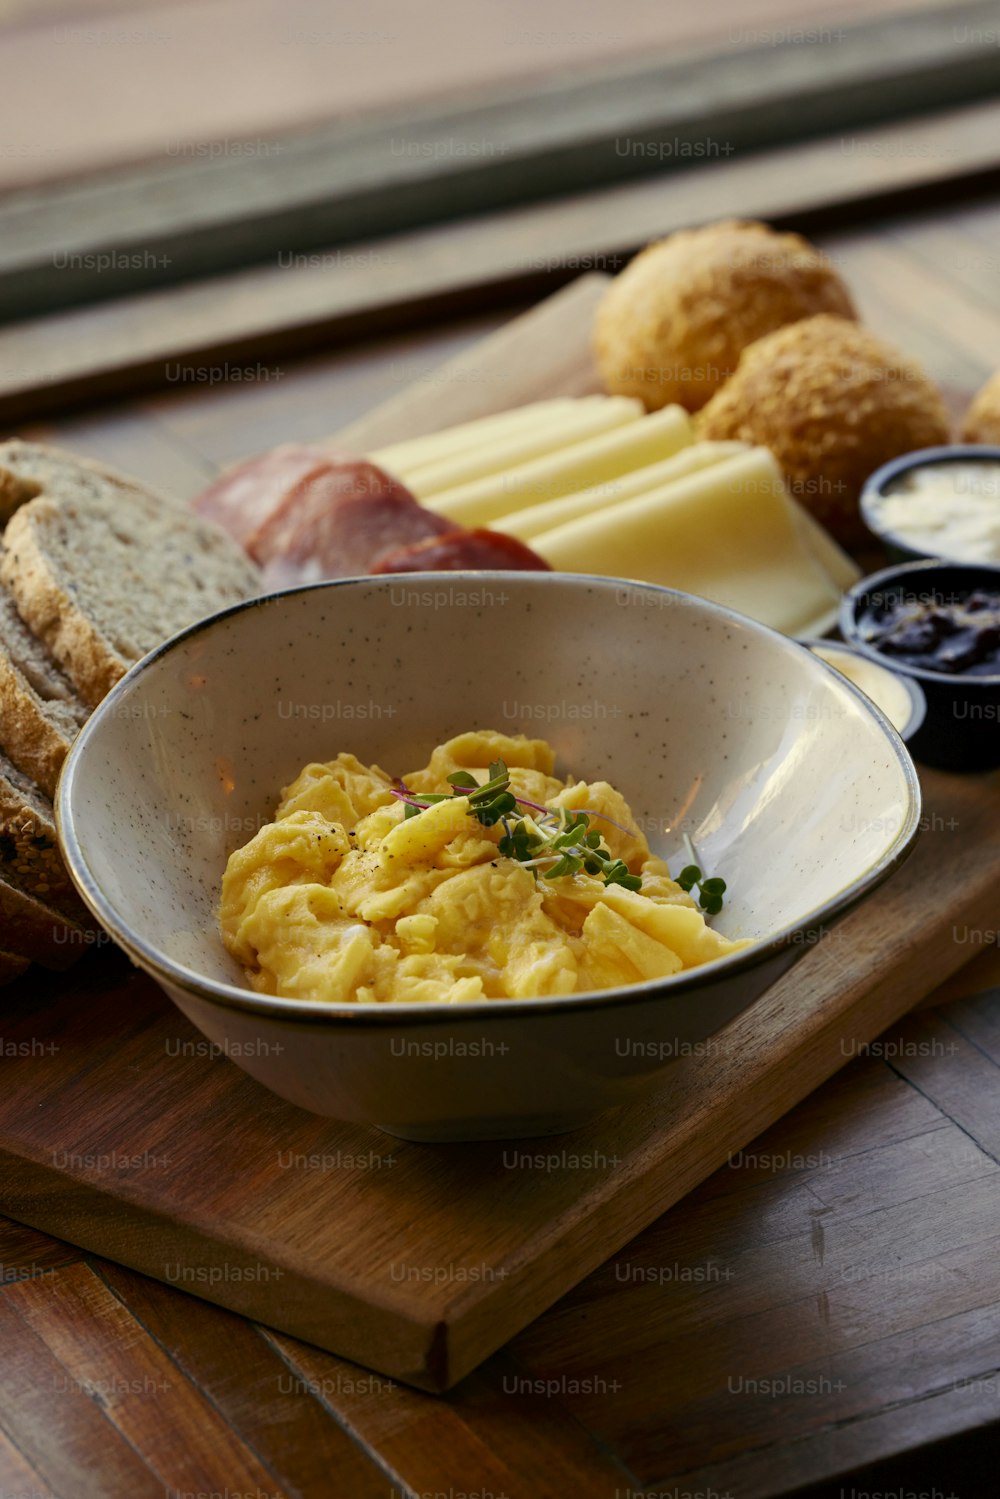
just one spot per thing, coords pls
(563, 841)
(550, 841)
(710, 891)
(490, 801)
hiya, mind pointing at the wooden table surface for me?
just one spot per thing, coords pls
(827, 1304)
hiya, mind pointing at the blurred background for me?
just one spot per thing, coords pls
(150, 80)
(299, 173)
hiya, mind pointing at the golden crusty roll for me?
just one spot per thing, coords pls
(981, 422)
(833, 403)
(673, 324)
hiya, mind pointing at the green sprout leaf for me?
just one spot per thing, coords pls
(563, 842)
(710, 891)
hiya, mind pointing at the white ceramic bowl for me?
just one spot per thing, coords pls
(793, 786)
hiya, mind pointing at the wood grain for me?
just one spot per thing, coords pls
(258, 1391)
(779, 1270)
(893, 285)
(979, 976)
(105, 1352)
(38, 1398)
(976, 1018)
(17, 1476)
(846, 1248)
(500, 1439)
(959, 1075)
(25, 1253)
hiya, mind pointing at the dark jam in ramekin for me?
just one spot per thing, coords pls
(961, 638)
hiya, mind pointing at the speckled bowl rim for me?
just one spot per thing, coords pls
(874, 485)
(899, 572)
(229, 996)
(910, 685)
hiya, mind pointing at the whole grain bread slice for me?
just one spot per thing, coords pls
(29, 845)
(28, 469)
(40, 713)
(103, 579)
(32, 929)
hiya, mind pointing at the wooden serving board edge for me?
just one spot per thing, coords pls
(134, 1233)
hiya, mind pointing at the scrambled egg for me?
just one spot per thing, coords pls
(343, 898)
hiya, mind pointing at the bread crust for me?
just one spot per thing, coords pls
(44, 494)
(28, 469)
(29, 846)
(30, 738)
(49, 610)
(40, 714)
(164, 571)
(34, 931)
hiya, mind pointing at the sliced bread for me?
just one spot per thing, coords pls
(36, 931)
(103, 579)
(29, 845)
(40, 713)
(14, 492)
(28, 469)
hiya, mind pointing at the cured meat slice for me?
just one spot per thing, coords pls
(305, 514)
(243, 499)
(461, 550)
(337, 523)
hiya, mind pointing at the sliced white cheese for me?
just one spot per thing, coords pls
(832, 558)
(593, 461)
(433, 446)
(560, 429)
(729, 534)
(644, 481)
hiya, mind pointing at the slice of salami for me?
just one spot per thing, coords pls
(338, 522)
(461, 550)
(243, 499)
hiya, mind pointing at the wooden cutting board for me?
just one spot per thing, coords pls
(122, 1131)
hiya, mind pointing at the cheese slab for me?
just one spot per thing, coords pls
(526, 524)
(594, 461)
(560, 429)
(729, 533)
(433, 446)
(831, 557)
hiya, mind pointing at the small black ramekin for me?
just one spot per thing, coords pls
(897, 547)
(961, 730)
